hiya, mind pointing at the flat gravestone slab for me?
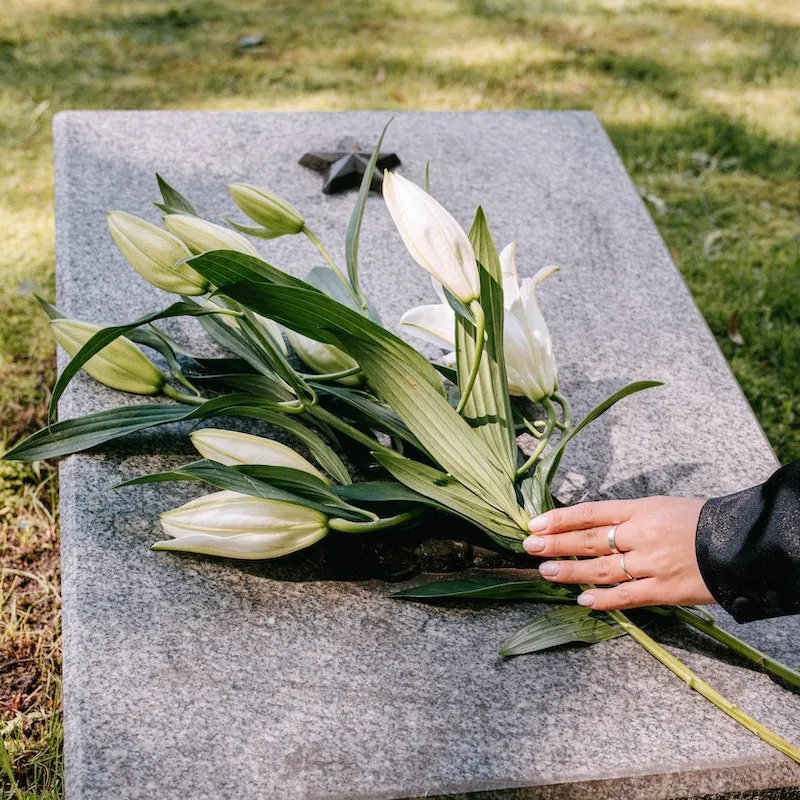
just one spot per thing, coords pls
(193, 677)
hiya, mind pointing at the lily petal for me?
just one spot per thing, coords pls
(435, 324)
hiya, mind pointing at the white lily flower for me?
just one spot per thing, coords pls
(530, 364)
(120, 365)
(202, 236)
(433, 237)
(239, 526)
(322, 358)
(276, 215)
(232, 447)
(155, 254)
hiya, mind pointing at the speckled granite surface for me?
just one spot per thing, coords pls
(189, 677)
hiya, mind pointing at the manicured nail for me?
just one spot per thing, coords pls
(538, 523)
(549, 568)
(533, 544)
(584, 599)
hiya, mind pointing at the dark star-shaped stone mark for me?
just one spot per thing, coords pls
(345, 168)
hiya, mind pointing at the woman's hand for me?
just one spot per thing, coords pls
(654, 534)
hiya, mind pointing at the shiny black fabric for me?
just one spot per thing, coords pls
(748, 548)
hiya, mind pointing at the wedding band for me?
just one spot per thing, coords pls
(624, 568)
(612, 532)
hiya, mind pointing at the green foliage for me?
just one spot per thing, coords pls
(699, 99)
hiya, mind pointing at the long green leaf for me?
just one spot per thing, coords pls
(488, 409)
(270, 483)
(382, 492)
(559, 627)
(356, 218)
(398, 373)
(107, 335)
(454, 497)
(381, 414)
(441, 431)
(549, 464)
(230, 266)
(84, 433)
(327, 281)
(490, 589)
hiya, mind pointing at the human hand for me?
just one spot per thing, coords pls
(656, 536)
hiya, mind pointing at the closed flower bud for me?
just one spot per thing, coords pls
(155, 254)
(232, 448)
(322, 358)
(239, 526)
(120, 365)
(276, 215)
(435, 240)
(202, 236)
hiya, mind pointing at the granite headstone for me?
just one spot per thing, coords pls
(191, 677)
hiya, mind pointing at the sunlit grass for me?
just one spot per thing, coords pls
(698, 96)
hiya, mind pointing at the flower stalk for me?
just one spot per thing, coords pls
(710, 628)
(691, 678)
(480, 340)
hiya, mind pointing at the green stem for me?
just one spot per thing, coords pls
(314, 239)
(332, 376)
(737, 645)
(545, 437)
(348, 526)
(174, 394)
(480, 336)
(345, 427)
(699, 685)
(566, 410)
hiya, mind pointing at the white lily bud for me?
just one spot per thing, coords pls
(268, 209)
(120, 365)
(238, 526)
(435, 240)
(202, 236)
(323, 358)
(232, 448)
(154, 253)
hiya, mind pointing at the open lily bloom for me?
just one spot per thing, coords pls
(239, 526)
(530, 364)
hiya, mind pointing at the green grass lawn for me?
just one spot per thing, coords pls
(699, 97)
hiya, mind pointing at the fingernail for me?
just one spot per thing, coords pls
(533, 544)
(549, 568)
(584, 599)
(538, 523)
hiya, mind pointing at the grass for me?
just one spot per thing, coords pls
(699, 98)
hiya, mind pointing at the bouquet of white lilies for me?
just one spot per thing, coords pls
(436, 436)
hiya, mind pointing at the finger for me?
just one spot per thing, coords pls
(632, 594)
(587, 542)
(581, 516)
(602, 570)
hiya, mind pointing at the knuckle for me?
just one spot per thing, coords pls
(624, 596)
(588, 512)
(556, 546)
(592, 540)
(556, 519)
(602, 569)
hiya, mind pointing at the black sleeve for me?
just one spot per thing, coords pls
(748, 548)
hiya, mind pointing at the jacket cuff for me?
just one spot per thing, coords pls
(748, 548)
